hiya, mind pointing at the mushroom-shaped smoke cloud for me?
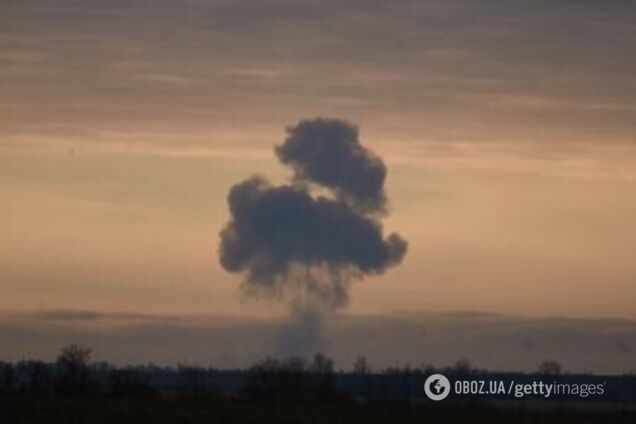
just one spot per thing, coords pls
(304, 247)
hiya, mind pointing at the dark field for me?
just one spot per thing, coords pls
(74, 390)
(25, 410)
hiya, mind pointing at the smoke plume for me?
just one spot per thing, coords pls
(327, 152)
(307, 248)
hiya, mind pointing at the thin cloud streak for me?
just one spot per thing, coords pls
(492, 341)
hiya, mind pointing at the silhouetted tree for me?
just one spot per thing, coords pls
(291, 380)
(427, 368)
(550, 367)
(399, 379)
(7, 377)
(128, 382)
(261, 378)
(322, 364)
(268, 364)
(38, 376)
(463, 367)
(191, 382)
(322, 373)
(361, 365)
(72, 364)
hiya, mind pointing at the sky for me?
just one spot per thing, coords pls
(489, 341)
(508, 129)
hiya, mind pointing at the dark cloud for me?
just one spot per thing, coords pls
(305, 247)
(328, 152)
(88, 315)
(273, 227)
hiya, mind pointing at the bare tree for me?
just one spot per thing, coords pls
(361, 365)
(550, 367)
(463, 367)
(322, 364)
(37, 374)
(72, 363)
(322, 375)
(294, 364)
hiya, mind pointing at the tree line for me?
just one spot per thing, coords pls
(74, 373)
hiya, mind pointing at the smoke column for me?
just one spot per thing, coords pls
(304, 248)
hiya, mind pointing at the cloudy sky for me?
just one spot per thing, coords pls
(508, 128)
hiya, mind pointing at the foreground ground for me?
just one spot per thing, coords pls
(23, 410)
